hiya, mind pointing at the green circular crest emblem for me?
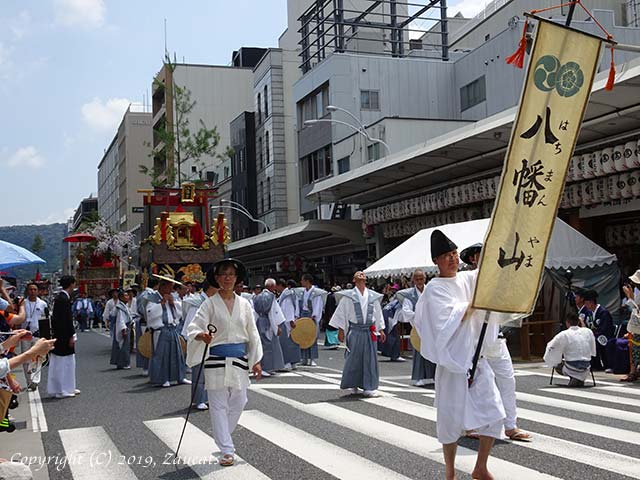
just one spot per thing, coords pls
(549, 75)
(545, 73)
(570, 79)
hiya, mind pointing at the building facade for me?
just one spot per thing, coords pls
(119, 176)
(219, 94)
(243, 177)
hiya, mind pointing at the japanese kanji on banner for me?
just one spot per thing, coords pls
(556, 92)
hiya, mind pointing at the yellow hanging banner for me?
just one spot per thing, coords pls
(556, 92)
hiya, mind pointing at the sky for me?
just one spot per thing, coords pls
(70, 68)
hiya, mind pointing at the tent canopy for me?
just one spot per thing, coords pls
(568, 249)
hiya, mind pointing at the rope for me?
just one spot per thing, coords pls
(517, 58)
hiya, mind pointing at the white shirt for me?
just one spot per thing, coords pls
(235, 327)
(109, 309)
(154, 314)
(34, 312)
(364, 300)
(575, 343)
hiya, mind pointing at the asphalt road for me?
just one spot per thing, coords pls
(299, 425)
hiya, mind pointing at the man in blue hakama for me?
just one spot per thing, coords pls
(289, 305)
(167, 365)
(359, 320)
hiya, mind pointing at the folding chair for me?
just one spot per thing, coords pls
(593, 378)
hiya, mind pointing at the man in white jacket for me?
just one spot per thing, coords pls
(224, 334)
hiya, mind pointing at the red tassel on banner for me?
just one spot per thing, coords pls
(517, 59)
(612, 74)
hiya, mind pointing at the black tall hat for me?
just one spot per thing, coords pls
(241, 271)
(466, 254)
(440, 244)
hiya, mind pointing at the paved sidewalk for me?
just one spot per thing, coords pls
(24, 442)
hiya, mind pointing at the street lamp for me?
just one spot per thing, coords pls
(361, 131)
(245, 213)
(239, 205)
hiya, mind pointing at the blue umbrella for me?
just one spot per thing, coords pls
(13, 256)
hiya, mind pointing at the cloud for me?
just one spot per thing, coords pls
(104, 116)
(57, 217)
(5, 55)
(25, 157)
(468, 8)
(80, 13)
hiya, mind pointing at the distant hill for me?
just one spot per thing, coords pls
(53, 251)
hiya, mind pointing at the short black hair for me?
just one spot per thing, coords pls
(282, 282)
(308, 277)
(291, 283)
(152, 282)
(572, 319)
(66, 281)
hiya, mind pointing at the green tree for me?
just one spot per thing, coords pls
(184, 144)
(38, 244)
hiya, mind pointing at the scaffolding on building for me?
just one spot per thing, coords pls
(396, 28)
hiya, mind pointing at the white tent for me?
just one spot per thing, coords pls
(568, 249)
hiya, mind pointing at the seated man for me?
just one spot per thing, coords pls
(571, 350)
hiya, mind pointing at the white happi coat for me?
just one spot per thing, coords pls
(289, 305)
(237, 327)
(450, 343)
(345, 312)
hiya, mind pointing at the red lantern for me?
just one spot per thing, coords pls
(298, 263)
(285, 264)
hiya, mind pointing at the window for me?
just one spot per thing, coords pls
(259, 103)
(268, 193)
(317, 165)
(194, 169)
(226, 172)
(473, 93)
(261, 195)
(369, 100)
(373, 152)
(243, 165)
(267, 149)
(259, 153)
(343, 165)
(266, 102)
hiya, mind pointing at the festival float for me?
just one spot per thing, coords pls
(179, 238)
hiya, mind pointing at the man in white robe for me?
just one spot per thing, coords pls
(230, 350)
(499, 359)
(571, 350)
(449, 334)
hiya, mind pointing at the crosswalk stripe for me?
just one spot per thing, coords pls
(38, 420)
(92, 455)
(580, 453)
(326, 456)
(572, 392)
(197, 451)
(406, 439)
(579, 407)
(331, 378)
(619, 389)
(613, 433)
